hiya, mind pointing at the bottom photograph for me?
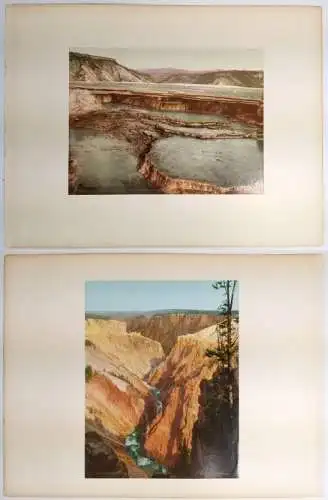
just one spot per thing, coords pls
(161, 379)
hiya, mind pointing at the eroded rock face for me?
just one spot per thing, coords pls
(91, 68)
(117, 398)
(169, 437)
(131, 351)
(118, 408)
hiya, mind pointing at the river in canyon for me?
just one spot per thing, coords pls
(209, 458)
(133, 445)
(109, 166)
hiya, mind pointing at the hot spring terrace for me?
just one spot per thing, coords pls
(186, 98)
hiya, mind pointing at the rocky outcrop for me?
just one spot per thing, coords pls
(82, 101)
(118, 409)
(169, 437)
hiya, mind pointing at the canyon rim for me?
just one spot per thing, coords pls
(161, 379)
(165, 122)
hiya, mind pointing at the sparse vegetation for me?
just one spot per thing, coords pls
(88, 343)
(222, 392)
(88, 373)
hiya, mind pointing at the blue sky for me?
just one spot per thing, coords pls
(107, 296)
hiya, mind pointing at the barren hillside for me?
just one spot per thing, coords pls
(240, 78)
(89, 68)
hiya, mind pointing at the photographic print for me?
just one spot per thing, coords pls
(161, 379)
(165, 122)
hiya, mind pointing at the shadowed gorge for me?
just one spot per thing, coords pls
(160, 399)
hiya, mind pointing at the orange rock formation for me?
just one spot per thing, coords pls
(170, 435)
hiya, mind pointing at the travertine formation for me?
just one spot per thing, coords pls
(142, 131)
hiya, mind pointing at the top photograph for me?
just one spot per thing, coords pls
(165, 122)
(109, 107)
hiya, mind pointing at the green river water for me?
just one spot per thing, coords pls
(133, 445)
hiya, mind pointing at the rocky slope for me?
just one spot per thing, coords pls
(169, 437)
(89, 68)
(117, 399)
(82, 101)
(113, 408)
(123, 349)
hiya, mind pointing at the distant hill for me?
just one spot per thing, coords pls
(92, 69)
(239, 78)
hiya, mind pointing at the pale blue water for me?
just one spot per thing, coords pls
(222, 162)
(109, 166)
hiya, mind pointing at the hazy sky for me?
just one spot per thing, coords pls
(181, 59)
(106, 296)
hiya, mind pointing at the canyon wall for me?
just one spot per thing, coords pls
(117, 398)
(166, 328)
(169, 437)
